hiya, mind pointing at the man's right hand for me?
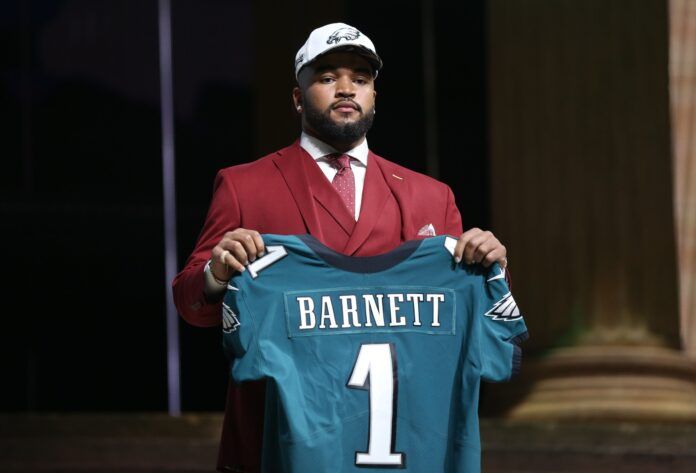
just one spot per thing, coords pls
(236, 249)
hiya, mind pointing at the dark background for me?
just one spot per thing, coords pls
(83, 285)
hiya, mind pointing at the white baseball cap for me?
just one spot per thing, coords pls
(334, 36)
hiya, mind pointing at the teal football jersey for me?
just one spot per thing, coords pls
(372, 362)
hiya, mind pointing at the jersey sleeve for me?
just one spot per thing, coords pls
(501, 328)
(240, 335)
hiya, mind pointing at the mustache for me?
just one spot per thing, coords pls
(343, 101)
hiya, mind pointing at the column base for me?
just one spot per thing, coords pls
(609, 383)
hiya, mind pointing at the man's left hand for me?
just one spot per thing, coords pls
(478, 246)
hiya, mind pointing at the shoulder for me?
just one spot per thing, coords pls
(260, 167)
(257, 167)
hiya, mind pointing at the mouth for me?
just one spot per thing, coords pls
(346, 107)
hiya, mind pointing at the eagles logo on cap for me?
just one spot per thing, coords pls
(343, 33)
(334, 36)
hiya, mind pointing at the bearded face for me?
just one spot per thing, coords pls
(336, 96)
(332, 126)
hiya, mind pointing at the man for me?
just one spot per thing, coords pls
(329, 184)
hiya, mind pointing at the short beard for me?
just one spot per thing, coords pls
(342, 133)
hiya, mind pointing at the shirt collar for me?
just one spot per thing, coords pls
(318, 149)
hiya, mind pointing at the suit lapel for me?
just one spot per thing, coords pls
(375, 195)
(290, 163)
(309, 187)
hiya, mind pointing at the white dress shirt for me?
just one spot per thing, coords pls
(319, 150)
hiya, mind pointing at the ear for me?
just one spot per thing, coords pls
(297, 98)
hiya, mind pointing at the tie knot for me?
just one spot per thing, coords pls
(340, 161)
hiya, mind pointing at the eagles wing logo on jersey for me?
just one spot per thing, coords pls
(349, 34)
(230, 322)
(505, 309)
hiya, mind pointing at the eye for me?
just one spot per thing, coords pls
(326, 79)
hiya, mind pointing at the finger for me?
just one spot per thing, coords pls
(459, 249)
(232, 254)
(246, 239)
(230, 260)
(258, 242)
(219, 268)
(498, 254)
(252, 241)
(217, 254)
(228, 253)
(237, 250)
(485, 248)
(473, 244)
(463, 240)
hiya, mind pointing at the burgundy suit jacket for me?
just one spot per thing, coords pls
(287, 193)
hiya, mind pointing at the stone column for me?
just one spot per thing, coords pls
(582, 195)
(682, 82)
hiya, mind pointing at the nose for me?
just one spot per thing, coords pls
(345, 87)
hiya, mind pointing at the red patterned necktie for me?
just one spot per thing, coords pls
(344, 180)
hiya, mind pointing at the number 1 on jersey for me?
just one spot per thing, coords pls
(273, 254)
(375, 371)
